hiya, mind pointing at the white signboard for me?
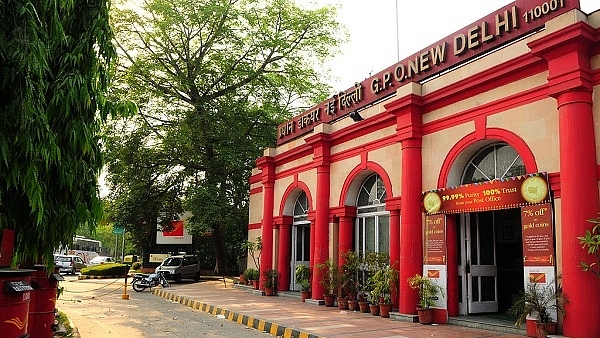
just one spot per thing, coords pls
(178, 233)
(158, 258)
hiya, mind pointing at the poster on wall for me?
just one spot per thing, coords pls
(538, 235)
(435, 240)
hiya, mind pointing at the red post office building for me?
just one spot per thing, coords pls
(473, 161)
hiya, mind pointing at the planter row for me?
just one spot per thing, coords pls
(381, 309)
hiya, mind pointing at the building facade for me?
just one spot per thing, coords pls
(473, 161)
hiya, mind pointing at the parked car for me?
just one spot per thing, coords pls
(69, 263)
(181, 266)
(101, 260)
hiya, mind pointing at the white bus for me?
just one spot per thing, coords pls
(86, 248)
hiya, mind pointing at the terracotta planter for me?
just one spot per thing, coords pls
(342, 303)
(384, 309)
(242, 279)
(374, 309)
(425, 315)
(364, 307)
(353, 305)
(543, 329)
(304, 295)
(255, 284)
(329, 300)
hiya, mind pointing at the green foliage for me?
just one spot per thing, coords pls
(271, 278)
(303, 277)
(212, 80)
(109, 269)
(136, 266)
(254, 249)
(349, 274)
(56, 65)
(59, 291)
(537, 299)
(591, 242)
(63, 320)
(330, 276)
(251, 274)
(382, 281)
(370, 266)
(428, 290)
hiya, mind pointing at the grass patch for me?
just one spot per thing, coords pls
(63, 321)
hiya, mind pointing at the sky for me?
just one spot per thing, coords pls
(371, 26)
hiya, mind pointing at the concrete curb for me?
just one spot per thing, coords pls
(273, 329)
(80, 277)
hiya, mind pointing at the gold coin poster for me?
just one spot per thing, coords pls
(538, 238)
(512, 192)
(435, 240)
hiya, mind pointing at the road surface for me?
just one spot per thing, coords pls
(96, 308)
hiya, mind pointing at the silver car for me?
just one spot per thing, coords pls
(69, 263)
(179, 267)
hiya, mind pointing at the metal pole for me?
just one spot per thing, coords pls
(123, 247)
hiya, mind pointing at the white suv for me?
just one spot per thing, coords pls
(178, 267)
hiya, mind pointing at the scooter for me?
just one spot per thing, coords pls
(140, 281)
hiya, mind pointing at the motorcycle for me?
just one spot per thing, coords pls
(140, 281)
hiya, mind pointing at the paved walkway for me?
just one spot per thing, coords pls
(290, 317)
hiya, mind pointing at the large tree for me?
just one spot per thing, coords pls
(55, 58)
(213, 79)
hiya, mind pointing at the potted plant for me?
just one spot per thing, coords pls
(254, 249)
(362, 300)
(251, 275)
(271, 278)
(347, 275)
(373, 299)
(303, 279)
(384, 280)
(428, 291)
(329, 280)
(538, 299)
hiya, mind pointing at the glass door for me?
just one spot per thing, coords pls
(300, 251)
(479, 272)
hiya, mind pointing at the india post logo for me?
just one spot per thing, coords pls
(177, 229)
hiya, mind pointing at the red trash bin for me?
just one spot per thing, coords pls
(14, 302)
(42, 303)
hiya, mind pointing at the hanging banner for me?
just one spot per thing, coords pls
(435, 240)
(538, 237)
(513, 192)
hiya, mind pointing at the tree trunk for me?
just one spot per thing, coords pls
(218, 238)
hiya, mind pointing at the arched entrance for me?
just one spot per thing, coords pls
(300, 245)
(372, 228)
(489, 243)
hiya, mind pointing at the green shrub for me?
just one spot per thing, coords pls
(109, 269)
(251, 274)
(136, 265)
